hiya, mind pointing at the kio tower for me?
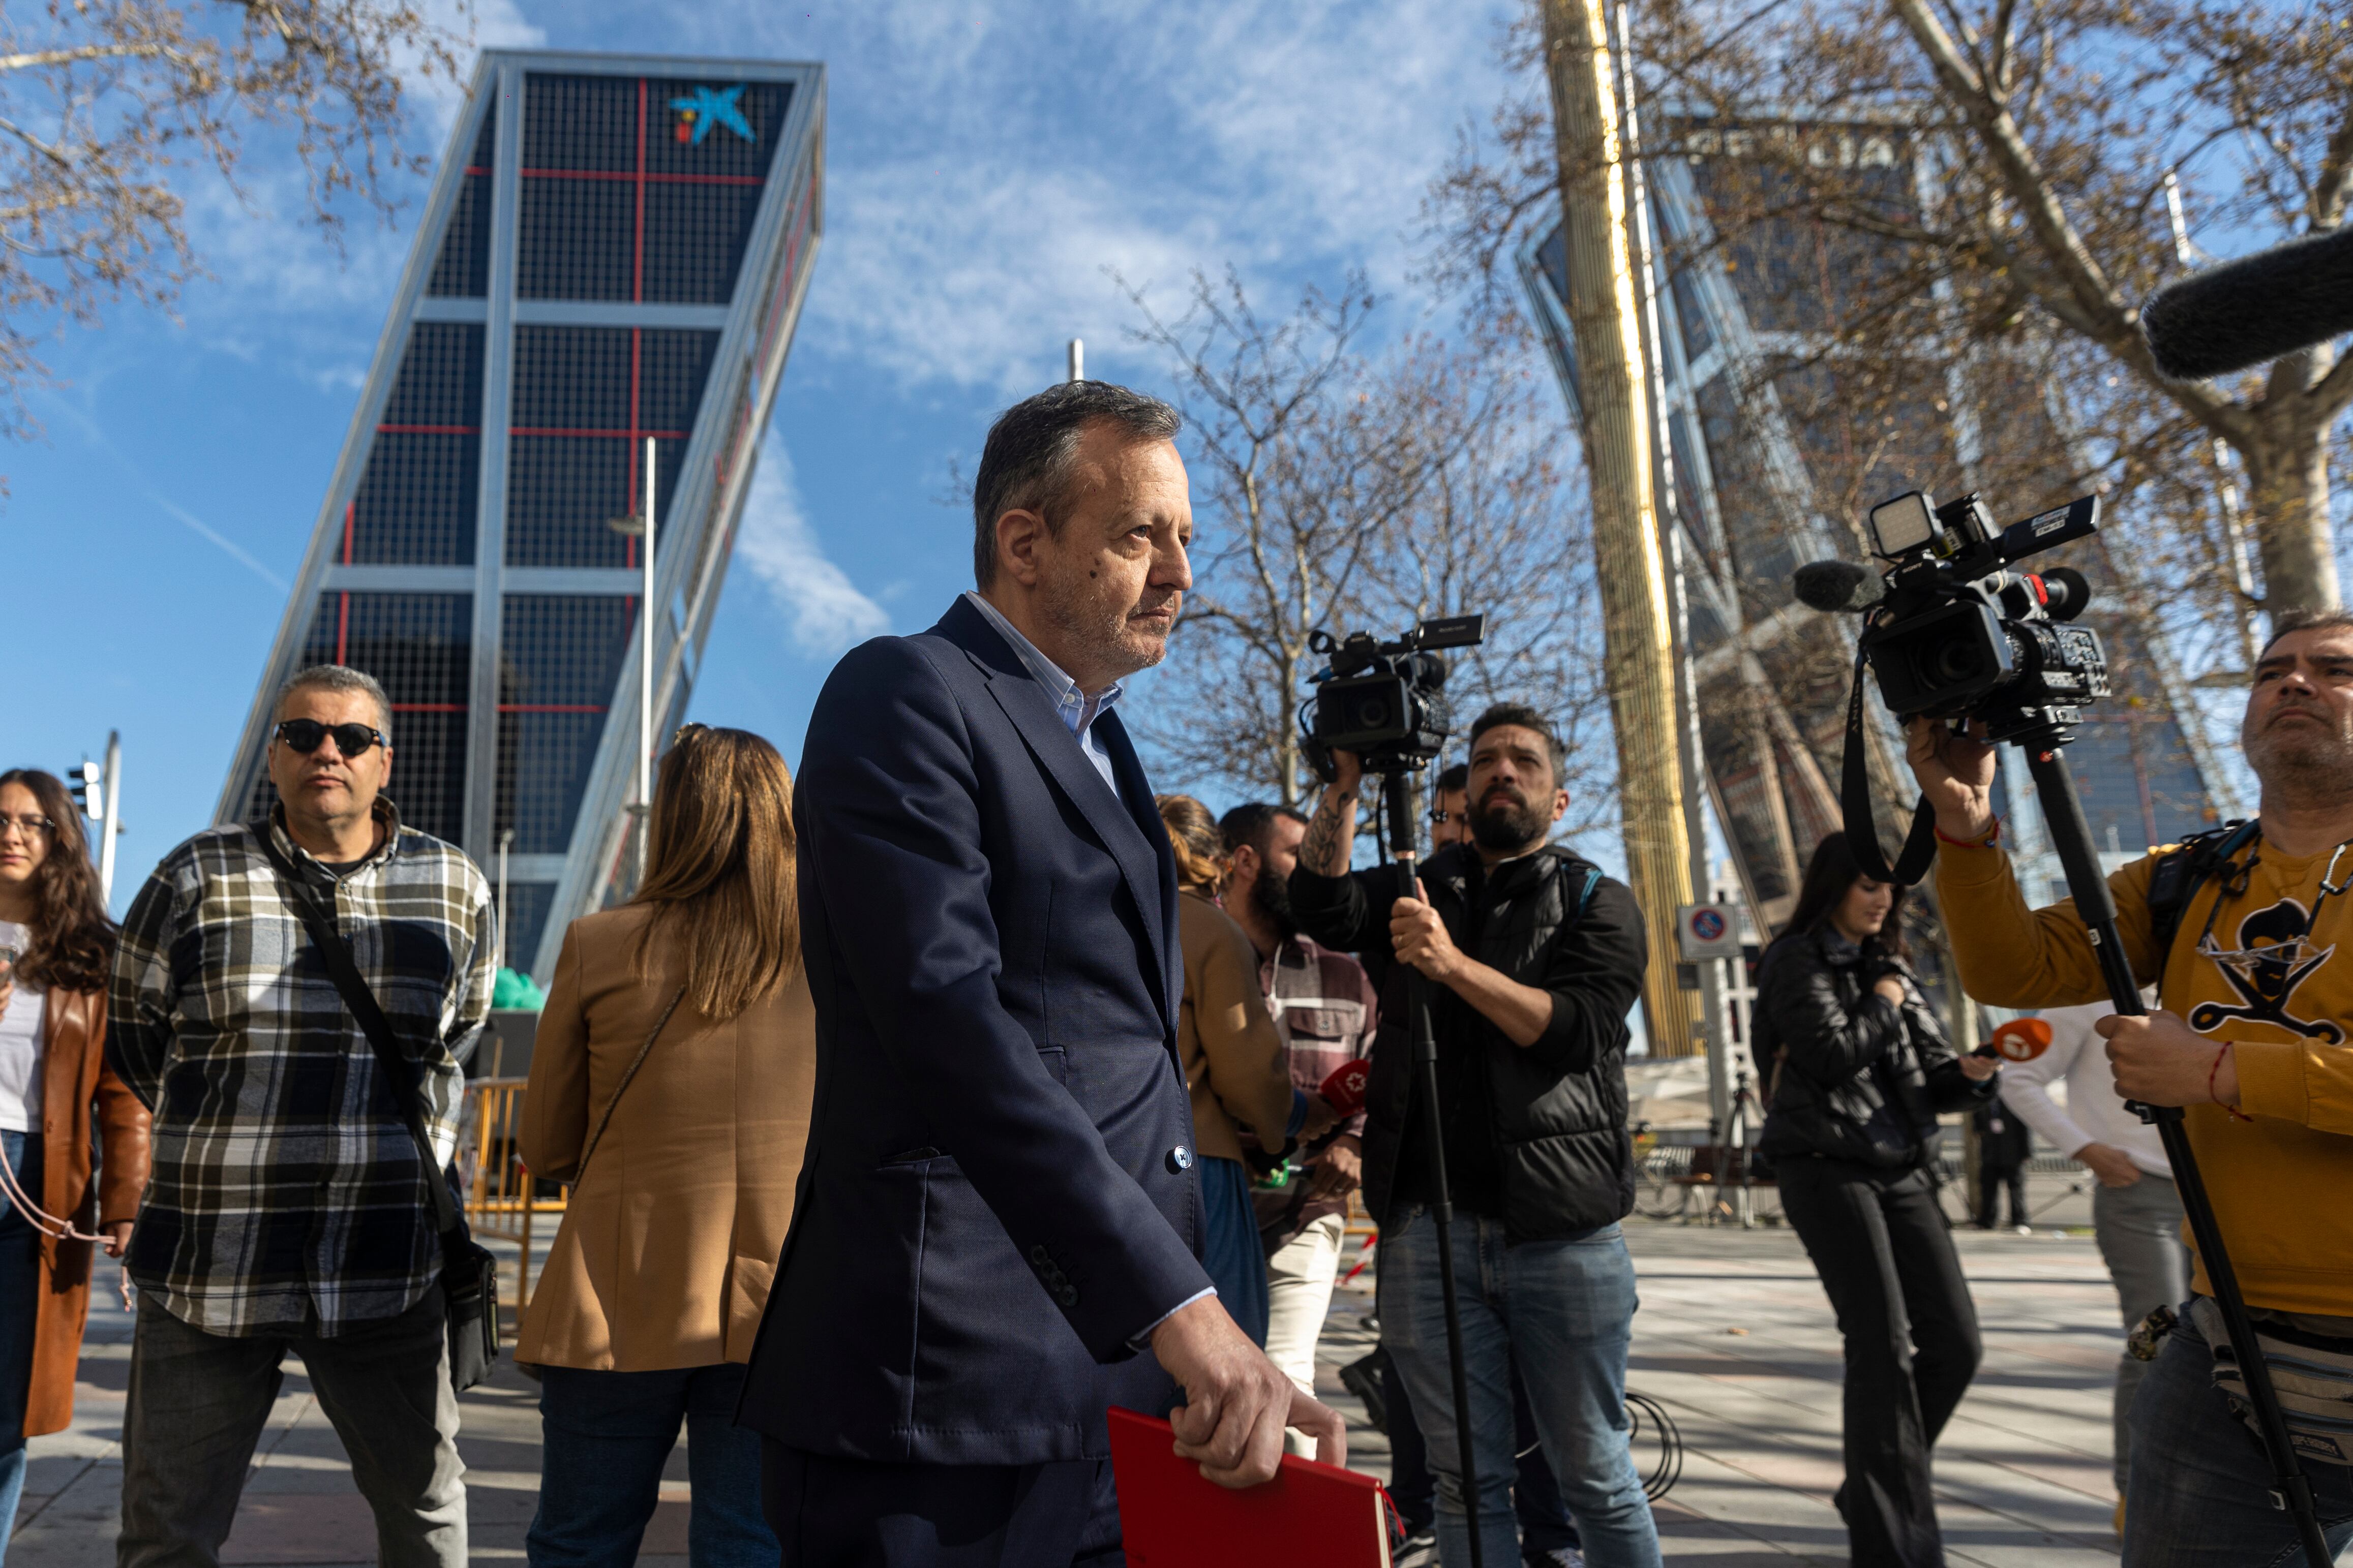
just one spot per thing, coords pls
(615, 248)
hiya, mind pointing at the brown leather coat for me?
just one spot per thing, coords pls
(75, 1079)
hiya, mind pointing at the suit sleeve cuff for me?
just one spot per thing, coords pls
(1143, 1342)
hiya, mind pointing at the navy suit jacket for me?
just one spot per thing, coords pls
(998, 1191)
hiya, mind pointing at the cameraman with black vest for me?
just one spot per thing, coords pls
(1534, 958)
(2249, 933)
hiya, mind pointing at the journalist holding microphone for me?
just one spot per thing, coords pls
(1859, 1068)
(2257, 982)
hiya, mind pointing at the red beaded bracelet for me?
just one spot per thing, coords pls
(1993, 836)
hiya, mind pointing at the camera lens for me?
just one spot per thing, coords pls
(1369, 713)
(1954, 661)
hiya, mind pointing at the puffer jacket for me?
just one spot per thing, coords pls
(1836, 1053)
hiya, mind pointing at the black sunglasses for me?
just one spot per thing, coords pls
(304, 735)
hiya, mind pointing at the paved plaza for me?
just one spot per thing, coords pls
(1734, 1338)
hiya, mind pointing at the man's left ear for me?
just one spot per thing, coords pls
(1559, 804)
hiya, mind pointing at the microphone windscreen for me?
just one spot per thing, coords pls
(1832, 585)
(1344, 1088)
(2257, 308)
(2023, 1040)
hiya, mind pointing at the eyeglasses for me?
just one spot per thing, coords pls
(30, 827)
(304, 735)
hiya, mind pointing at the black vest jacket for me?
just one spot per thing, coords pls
(1566, 1162)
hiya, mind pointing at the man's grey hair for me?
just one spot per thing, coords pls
(336, 678)
(1026, 464)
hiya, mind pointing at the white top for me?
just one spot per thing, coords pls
(1077, 711)
(2094, 1112)
(20, 1045)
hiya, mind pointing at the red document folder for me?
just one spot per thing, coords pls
(1172, 1517)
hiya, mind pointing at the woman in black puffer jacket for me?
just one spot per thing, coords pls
(1860, 1069)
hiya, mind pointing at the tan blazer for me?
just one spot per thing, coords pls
(1234, 1060)
(669, 1243)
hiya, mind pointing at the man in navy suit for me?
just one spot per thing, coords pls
(997, 1222)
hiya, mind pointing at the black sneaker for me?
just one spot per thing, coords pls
(1362, 1378)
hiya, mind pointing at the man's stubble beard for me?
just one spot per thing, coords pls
(1270, 895)
(1102, 629)
(2311, 766)
(1505, 826)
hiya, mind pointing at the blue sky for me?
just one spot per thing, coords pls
(987, 163)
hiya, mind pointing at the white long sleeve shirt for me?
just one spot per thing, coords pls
(2094, 1112)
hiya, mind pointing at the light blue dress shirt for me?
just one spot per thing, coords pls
(1077, 711)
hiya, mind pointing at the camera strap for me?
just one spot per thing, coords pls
(1854, 805)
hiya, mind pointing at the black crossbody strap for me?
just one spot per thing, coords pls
(397, 1071)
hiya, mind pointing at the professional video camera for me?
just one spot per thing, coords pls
(1954, 634)
(1386, 701)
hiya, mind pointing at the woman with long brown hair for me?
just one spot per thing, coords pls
(1234, 1061)
(56, 947)
(670, 1082)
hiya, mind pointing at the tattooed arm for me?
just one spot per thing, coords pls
(1331, 905)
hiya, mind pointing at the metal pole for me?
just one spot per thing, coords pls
(646, 679)
(1078, 359)
(506, 836)
(1396, 794)
(2096, 907)
(112, 822)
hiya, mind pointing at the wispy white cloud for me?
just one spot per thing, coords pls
(220, 541)
(824, 611)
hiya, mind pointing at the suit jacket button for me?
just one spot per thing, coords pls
(1037, 1255)
(1180, 1160)
(1068, 1295)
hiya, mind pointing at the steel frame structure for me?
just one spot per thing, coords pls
(515, 262)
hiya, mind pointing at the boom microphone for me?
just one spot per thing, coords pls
(2257, 308)
(1834, 586)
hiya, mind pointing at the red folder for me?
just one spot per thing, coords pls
(1172, 1517)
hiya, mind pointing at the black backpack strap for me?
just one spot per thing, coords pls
(2178, 877)
(399, 1071)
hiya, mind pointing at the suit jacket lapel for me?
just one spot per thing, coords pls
(1140, 859)
(1136, 791)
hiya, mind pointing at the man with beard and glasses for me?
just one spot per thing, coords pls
(997, 1231)
(1449, 807)
(1325, 1009)
(2257, 982)
(1534, 958)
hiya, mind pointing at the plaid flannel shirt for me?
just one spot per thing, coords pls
(1327, 1011)
(286, 1190)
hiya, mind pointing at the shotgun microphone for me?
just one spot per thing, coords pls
(1834, 586)
(2243, 312)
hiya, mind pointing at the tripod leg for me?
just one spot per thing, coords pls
(2071, 835)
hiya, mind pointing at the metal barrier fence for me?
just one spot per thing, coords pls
(503, 1202)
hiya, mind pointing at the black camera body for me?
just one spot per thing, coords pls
(1960, 636)
(1386, 701)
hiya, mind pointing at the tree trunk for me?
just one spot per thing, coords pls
(1286, 742)
(1636, 622)
(2287, 470)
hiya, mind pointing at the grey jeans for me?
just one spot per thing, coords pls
(198, 1402)
(2139, 1231)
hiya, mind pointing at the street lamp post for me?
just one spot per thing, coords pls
(641, 524)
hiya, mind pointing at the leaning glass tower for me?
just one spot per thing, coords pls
(615, 248)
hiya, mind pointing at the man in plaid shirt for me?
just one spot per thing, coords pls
(289, 1207)
(1324, 1007)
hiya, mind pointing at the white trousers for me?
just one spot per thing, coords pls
(1299, 1277)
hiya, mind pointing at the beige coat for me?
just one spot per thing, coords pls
(669, 1244)
(1234, 1059)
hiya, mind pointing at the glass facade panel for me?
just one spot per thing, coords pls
(462, 267)
(418, 647)
(695, 237)
(559, 656)
(418, 493)
(577, 239)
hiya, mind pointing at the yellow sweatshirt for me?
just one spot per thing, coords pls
(2283, 1183)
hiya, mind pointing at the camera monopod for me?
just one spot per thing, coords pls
(1396, 798)
(2071, 835)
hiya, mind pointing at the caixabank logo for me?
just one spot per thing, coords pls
(706, 107)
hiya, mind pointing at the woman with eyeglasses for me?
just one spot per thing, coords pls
(56, 944)
(670, 1083)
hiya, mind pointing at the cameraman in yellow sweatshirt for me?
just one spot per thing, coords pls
(2256, 1040)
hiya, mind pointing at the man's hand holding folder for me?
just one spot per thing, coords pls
(1236, 1403)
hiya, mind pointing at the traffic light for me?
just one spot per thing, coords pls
(88, 788)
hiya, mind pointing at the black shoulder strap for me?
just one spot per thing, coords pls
(1854, 806)
(399, 1071)
(2179, 875)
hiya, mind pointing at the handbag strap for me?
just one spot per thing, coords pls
(361, 1003)
(618, 1090)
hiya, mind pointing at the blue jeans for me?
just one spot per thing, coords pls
(605, 1436)
(1231, 1252)
(1564, 1310)
(20, 1297)
(2198, 1496)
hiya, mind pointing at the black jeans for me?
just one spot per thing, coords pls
(1991, 1181)
(1880, 1244)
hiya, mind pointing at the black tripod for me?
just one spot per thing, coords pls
(2071, 835)
(1396, 796)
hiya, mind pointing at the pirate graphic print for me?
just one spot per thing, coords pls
(2275, 957)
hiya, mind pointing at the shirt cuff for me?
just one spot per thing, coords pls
(1298, 1114)
(1143, 1342)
